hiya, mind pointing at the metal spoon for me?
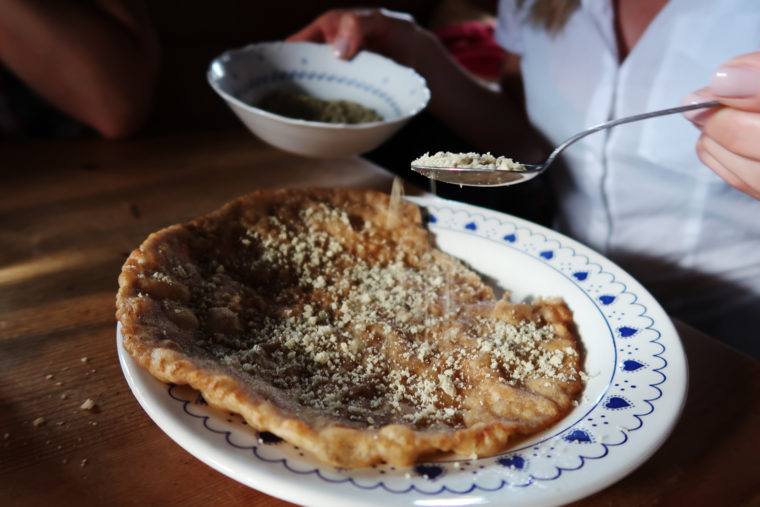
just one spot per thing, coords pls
(489, 177)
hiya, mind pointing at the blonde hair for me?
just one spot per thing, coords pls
(551, 14)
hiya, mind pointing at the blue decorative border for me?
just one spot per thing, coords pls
(637, 350)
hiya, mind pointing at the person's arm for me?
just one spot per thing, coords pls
(730, 140)
(94, 60)
(480, 114)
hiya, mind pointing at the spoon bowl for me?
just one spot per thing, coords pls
(479, 177)
(492, 177)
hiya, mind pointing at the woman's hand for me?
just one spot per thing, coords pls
(350, 30)
(730, 140)
(479, 114)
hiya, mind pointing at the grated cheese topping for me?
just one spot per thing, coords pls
(468, 161)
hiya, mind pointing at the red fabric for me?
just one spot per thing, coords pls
(473, 45)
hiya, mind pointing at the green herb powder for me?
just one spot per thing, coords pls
(307, 107)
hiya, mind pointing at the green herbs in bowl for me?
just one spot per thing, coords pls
(302, 106)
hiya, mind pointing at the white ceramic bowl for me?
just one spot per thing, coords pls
(242, 76)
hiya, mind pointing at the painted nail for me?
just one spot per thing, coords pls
(736, 81)
(696, 116)
(340, 47)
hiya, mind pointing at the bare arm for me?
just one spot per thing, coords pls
(487, 117)
(95, 60)
(492, 118)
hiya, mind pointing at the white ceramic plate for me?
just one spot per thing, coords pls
(634, 395)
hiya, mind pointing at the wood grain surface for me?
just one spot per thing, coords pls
(70, 213)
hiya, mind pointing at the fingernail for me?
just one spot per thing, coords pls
(340, 47)
(736, 81)
(696, 116)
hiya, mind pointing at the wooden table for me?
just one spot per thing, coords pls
(70, 212)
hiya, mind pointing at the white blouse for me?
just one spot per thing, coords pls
(638, 193)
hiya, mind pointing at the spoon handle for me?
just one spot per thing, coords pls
(627, 119)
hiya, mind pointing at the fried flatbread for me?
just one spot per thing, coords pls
(320, 317)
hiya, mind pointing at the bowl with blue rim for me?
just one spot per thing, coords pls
(248, 78)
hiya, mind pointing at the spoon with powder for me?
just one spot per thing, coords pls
(486, 170)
